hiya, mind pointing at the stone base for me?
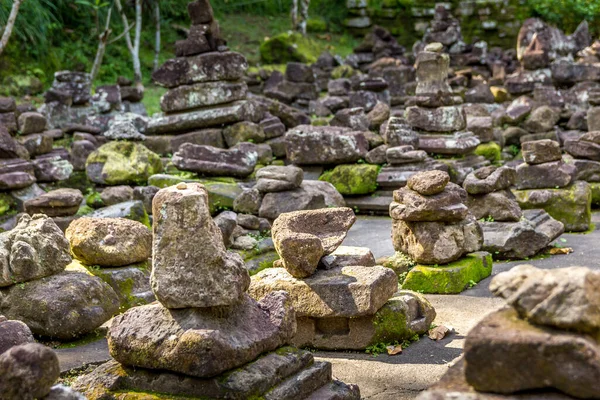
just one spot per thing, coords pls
(403, 316)
(454, 386)
(518, 240)
(570, 205)
(450, 278)
(287, 373)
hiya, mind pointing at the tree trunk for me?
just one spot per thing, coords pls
(157, 40)
(137, 68)
(10, 24)
(295, 14)
(101, 46)
(303, 16)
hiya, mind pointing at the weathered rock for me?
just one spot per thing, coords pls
(32, 122)
(56, 203)
(28, 372)
(244, 131)
(436, 242)
(459, 143)
(307, 145)
(121, 163)
(239, 161)
(346, 256)
(319, 188)
(339, 292)
(278, 178)
(133, 210)
(211, 340)
(497, 206)
(208, 137)
(541, 151)
(123, 130)
(352, 179)
(188, 97)
(447, 206)
(52, 168)
(542, 119)
(489, 179)
(116, 194)
(36, 144)
(397, 132)
(13, 333)
(442, 119)
(248, 202)
(404, 155)
(188, 252)
(301, 238)
(429, 182)
(35, 248)
(62, 306)
(528, 357)
(80, 151)
(556, 174)
(109, 242)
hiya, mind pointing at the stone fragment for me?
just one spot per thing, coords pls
(497, 206)
(32, 122)
(16, 174)
(541, 151)
(489, 179)
(542, 119)
(36, 144)
(133, 210)
(348, 292)
(319, 188)
(189, 97)
(191, 267)
(123, 130)
(56, 203)
(301, 238)
(352, 179)
(52, 168)
(211, 340)
(397, 132)
(429, 182)
(459, 143)
(109, 242)
(555, 174)
(116, 194)
(353, 118)
(248, 202)
(346, 256)
(244, 131)
(442, 119)
(278, 178)
(239, 161)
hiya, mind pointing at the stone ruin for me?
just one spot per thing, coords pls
(342, 299)
(205, 317)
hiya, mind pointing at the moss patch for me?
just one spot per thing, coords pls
(450, 278)
(400, 263)
(287, 47)
(7, 203)
(491, 151)
(353, 179)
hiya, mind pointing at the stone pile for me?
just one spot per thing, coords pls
(507, 231)
(342, 299)
(123, 97)
(296, 88)
(358, 18)
(36, 289)
(118, 251)
(377, 44)
(586, 159)
(544, 342)
(444, 29)
(545, 181)
(204, 316)
(433, 226)
(8, 117)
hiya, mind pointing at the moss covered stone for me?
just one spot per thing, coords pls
(122, 163)
(450, 278)
(7, 203)
(343, 71)
(571, 205)
(353, 179)
(94, 200)
(491, 151)
(316, 25)
(400, 263)
(287, 47)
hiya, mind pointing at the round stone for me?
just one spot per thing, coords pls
(428, 183)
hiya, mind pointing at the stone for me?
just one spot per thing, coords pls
(541, 151)
(34, 249)
(131, 283)
(189, 97)
(593, 119)
(32, 122)
(211, 340)
(377, 155)
(352, 179)
(339, 87)
(116, 194)
(529, 357)
(272, 127)
(542, 119)
(109, 242)
(522, 239)
(479, 94)
(450, 278)
(378, 115)
(248, 202)
(429, 182)
(319, 188)
(9, 147)
(275, 178)
(16, 174)
(36, 144)
(397, 132)
(121, 163)
(459, 143)
(244, 243)
(447, 206)
(239, 161)
(441, 119)
(346, 256)
(62, 392)
(347, 292)
(244, 131)
(310, 145)
(570, 205)
(7, 104)
(299, 72)
(9, 121)
(62, 306)
(133, 210)
(497, 206)
(182, 222)
(13, 333)
(50, 168)
(28, 371)
(436, 242)
(301, 238)
(555, 174)
(207, 137)
(404, 155)
(145, 194)
(353, 118)
(80, 151)
(432, 73)
(123, 130)
(513, 134)
(489, 179)
(56, 203)
(248, 221)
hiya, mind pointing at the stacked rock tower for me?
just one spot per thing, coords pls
(433, 226)
(204, 324)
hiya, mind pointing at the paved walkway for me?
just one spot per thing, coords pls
(403, 376)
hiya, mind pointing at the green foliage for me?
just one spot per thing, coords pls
(567, 14)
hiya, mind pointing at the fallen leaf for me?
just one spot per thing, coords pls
(439, 332)
(393, 350)
(560, 250)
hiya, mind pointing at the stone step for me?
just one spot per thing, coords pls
(336, 390)
(303, 383)
(378, 204)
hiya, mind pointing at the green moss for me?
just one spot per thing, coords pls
(94, 200)
(595, 188)
(122, 286)
(353, 179)
(7, 204)
(390, 325)
(287, 47)
(450, 278)
(89, 338)
(491, 151)
(316, 25)
(77, 180)
(400, 263)
(84, 210)
(343, 71)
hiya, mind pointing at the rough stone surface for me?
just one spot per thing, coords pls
(13, 333)
(306, 197)
(442, 119)
(497, 206)
(428, 183)
(187, 97)
(119, 163)
(548, 175)
(489, 179)
(278, 178)
(541, 151)
(109, 242)
(345, 256)
(239, 161)
(542, 119)
(56, 203)
(447, 206)
(191, 267)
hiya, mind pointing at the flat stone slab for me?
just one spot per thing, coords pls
(338, 292)
(450, 278)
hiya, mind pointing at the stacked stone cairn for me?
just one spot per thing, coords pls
(231, 343)
(36, 289)
(28, 370)
(585, 150)
(67, 101)
(296, 88)
(554, 310)
(432, 225)
(342, 299)
(379, 43)
(545, 181)
(508, 232)
(358, 19)
(444, 29)
(119, 252)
